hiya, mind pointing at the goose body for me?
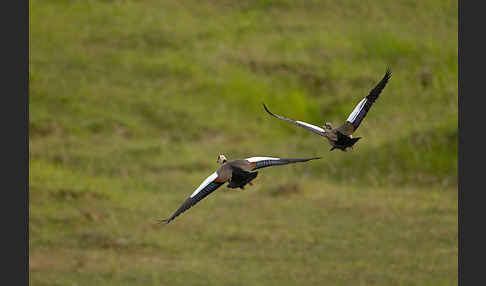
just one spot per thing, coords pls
(237, 173)
(341, 137)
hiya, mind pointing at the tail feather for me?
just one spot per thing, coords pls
(354, 140)
(240, 178)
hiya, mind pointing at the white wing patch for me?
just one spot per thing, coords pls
(257, 159)
(206, 182)
(356, 110)
(319, 129)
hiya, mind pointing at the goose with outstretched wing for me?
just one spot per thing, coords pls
(238, 173)
(341, 137)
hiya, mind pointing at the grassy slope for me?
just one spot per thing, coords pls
(132, 101)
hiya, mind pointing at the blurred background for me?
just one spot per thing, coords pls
(131, 102)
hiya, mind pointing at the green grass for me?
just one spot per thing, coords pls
(132, 101)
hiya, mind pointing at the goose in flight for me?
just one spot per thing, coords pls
(341, 137)
(238, 173)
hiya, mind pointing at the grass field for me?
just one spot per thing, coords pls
(131, 102)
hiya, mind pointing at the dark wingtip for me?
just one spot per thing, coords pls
(312, 158)
(266, 109)
(388, 73)
(164, 221)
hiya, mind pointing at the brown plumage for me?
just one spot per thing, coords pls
(341, 137)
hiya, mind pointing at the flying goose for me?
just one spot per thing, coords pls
(238, 173)
(341, 137)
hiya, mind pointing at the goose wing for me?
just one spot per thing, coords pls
(263, 162)
(207, 187)
(308, 126)
(360, 111)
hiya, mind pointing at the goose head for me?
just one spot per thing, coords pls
(327, 127)
(221, 159)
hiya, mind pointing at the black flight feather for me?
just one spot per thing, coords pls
(211, 187)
